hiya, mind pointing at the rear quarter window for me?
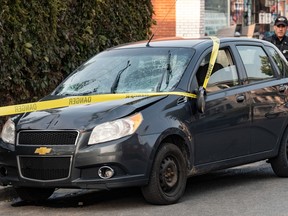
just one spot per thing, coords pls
(280, 62)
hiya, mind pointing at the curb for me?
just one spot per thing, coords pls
(7, 193)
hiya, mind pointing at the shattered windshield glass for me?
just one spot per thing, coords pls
(128, 70)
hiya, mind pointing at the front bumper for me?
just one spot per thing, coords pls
(77, 166)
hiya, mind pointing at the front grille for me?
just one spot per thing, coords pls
(47, 137)
(45, 168)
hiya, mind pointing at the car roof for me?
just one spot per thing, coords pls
(183, 42)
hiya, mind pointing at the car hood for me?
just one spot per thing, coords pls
(83, 117)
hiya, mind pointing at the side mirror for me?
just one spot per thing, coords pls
(201, 99)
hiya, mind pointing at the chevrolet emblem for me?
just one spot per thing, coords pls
(42, 150)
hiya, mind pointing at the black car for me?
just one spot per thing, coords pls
(166, 125)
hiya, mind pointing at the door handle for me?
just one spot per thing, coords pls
(271, 115)
(282, 88)
(240, 98)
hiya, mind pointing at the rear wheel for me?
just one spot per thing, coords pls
(34, 194)
(280, 162)
(168, 177)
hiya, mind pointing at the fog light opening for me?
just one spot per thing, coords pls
(105, 172)
(3, 171)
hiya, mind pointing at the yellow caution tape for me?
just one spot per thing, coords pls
(72, 101)
(80, 100)
(213, 57)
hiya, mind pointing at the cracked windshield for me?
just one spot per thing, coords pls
(128, 70)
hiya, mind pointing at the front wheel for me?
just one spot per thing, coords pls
(280, 162)
(34, 194)
(168, 177)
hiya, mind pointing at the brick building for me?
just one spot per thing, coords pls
(196, 18)
(183, 18)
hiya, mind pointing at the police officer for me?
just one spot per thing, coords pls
(279, 38)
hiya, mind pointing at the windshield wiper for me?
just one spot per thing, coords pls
(166, 73)
(169, 69)
(116, 81)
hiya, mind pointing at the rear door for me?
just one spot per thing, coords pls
(268, 95)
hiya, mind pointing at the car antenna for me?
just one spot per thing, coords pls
(148, 43)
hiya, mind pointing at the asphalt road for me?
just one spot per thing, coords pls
(251, 190)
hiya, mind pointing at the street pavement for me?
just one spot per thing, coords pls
(7, 193)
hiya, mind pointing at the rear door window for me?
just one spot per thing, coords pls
(256, 63)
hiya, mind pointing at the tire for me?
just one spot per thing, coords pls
(168, 178)
(280, 162)
(34, 194)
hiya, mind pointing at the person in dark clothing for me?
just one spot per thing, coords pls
(279, 38)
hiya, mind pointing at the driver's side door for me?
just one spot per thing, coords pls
(222, 131)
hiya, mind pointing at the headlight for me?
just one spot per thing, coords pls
(115, 129)
(8, 132)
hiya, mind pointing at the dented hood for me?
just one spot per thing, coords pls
(83, 117)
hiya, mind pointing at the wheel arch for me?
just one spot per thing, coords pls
(178, 138)
(182, 145)
(281, 137)
(279, 163)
